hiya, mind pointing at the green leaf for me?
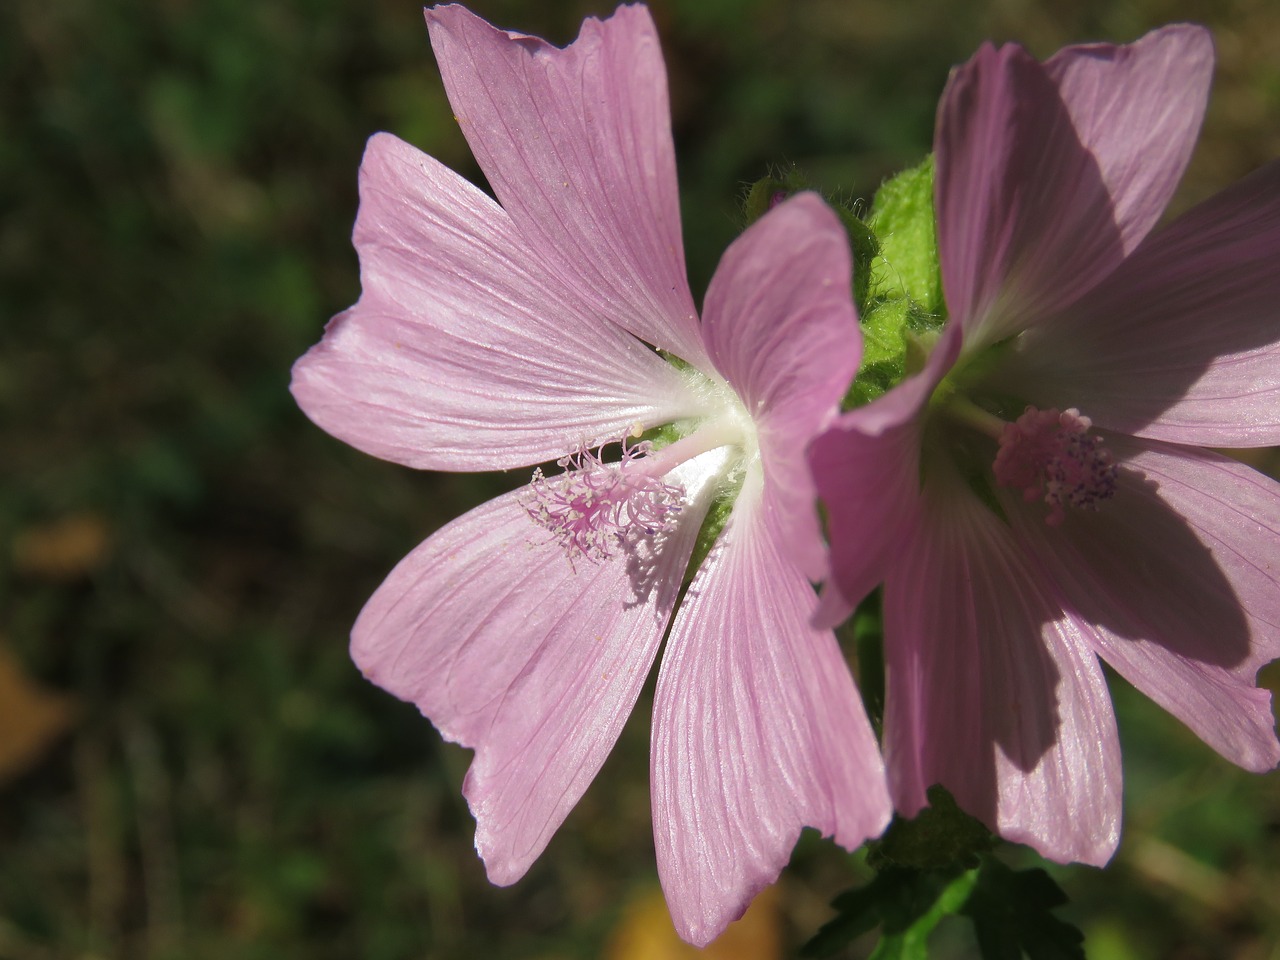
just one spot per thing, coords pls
(884, 351)
(909, 940)
(882, 327)
(902, 219)
(860, 911)
(908, 903)
(939, 836)
(1012, 916)
(935, 866)
(897, 282)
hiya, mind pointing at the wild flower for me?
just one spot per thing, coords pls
(1042, 491)
(552, 325)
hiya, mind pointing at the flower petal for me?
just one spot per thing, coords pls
(1179, 576)
(1047, 176)
(987, 691)
(869, 483)
(758, 731)
(1138, 108)
(460, 355)
(536, 662)
(1182, 342)
(576, 143)
(781, 328)
(867, 471)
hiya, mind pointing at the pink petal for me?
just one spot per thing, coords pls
(535, 662)
(1178, 577)
(757, 732)
(576, 144)
(1048, 175)
(869, 483)
(461, 355)
(989, 694)
(867, 471)
(781, 328)
(1182, 342)
(1138, 109)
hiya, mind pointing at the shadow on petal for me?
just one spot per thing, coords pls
(1180, 341)
(1137, 568)
(986, 691)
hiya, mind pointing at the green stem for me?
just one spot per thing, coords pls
(961, 409)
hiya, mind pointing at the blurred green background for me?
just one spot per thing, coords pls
(200, 772)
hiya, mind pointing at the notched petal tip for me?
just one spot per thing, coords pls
(1049, 175)
(576, 145)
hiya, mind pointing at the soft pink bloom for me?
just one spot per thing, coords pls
(497, 335)
(1040, 494)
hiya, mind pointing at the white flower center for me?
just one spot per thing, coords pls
(597, 510)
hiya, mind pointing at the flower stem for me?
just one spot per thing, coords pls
(963, 410)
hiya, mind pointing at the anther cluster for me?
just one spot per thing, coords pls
(1053, 455)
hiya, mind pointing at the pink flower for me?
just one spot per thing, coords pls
(497, 335)
(1039, 495)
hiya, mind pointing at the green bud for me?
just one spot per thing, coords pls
(767, 192)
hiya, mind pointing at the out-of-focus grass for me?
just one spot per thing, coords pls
(177, 184)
